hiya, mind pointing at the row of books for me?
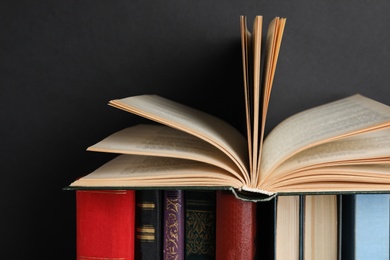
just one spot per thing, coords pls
(169, 224)
(206, 224)
(348, 226)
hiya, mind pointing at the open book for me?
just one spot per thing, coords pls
(342, 146)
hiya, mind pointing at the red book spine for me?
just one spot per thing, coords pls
(235, 228)
(105, 223)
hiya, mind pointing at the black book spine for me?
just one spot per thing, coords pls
(149, 217)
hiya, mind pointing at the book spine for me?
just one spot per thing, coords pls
(149, 210)
(174, 225)
(235, 227)
(266, 229)
(366, 222)
(105, 223)
(287, 228)
(320, 230)
(200, 225)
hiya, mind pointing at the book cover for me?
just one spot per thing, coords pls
(174, 225)
(366, 226)
(235, 227)
(149, 228)
(105, 222)
(200, 224)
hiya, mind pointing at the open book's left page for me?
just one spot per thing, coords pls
(160, 140)
(200, 124)
(132, 171)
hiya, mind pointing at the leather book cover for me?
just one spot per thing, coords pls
(105, 223)
(235, 228)
(149, 210)
(174, 225)
(200, 224)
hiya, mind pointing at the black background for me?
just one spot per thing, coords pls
(62, 61)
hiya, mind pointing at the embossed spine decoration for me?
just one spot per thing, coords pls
(200, 225)
(174, 225)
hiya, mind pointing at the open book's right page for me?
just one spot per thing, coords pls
(339, 119)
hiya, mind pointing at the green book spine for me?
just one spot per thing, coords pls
(200, 225)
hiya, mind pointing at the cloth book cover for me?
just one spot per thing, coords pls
(105, 222)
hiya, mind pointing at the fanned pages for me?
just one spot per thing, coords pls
(245, 46)
(341, 146)
(257, 33)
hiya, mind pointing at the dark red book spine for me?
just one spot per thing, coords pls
(105, 223)
(174, 225)
(235, 228)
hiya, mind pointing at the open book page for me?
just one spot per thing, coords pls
(159, 140)
(341, 178)
(367, 148)
(272, 49)
(152, 171)
(195, 122)
(348, 116)
(256, 49)
(274, 41)
(245, 47)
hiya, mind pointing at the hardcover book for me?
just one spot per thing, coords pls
(200, 224)
(174, 225)
(105, 221)
(341, 146)
(321, 239)
(235, 228)
(149, 228)
(288, 237)
(366, 226)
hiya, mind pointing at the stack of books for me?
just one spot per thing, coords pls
(337, 148)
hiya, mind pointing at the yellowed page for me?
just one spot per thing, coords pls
(245, 45)
(352, 115)
(256, 49)
(341, 178)
(160, 140)
(370, 147)
(195, 122)
(274, 41)
(152, 171)
(272, 48)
